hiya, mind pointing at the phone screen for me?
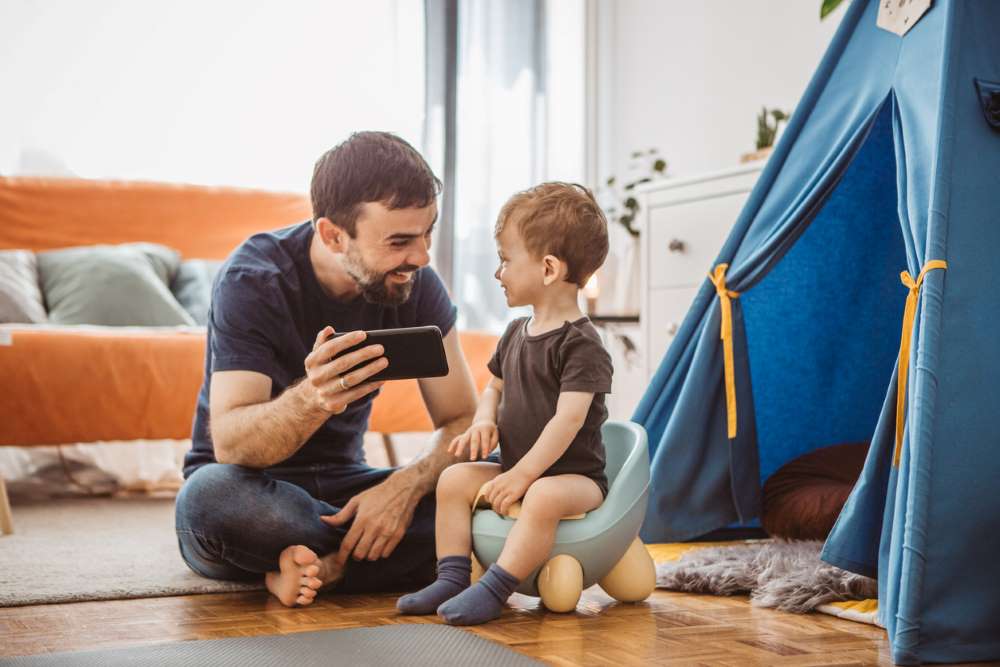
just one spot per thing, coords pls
(413, 352)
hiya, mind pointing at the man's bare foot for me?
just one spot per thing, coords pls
(300, 574)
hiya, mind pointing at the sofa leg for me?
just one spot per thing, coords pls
(390, 450)
(6, 520)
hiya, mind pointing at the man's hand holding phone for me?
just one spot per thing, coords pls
(331, 384)
(340, 370)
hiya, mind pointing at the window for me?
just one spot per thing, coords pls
(221, 92)
(519, 120)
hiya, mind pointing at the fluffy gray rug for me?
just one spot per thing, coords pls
(784, 575)
(74, 549)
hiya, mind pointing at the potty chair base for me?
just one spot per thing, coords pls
(599, 547)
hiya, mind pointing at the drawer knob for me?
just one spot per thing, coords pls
(676, 245)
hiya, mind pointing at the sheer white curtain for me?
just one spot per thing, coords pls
(500, 122)
(519, 120)
(220, 92)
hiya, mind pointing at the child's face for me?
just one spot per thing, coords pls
(520, 274)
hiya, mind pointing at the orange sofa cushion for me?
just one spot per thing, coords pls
(203, 222)
(83, 386)
(77, 385)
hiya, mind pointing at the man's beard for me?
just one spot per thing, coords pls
(373, 285)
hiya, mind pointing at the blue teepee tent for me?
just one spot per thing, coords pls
(891, 162)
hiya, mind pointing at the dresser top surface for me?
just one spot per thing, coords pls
(671, 183)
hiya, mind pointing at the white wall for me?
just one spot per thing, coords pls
(565, 94)
(689, 77)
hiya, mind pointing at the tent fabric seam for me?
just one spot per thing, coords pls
(906, 639)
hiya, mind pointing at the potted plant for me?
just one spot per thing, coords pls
(622, 207)
(768, 121)
(827, 6)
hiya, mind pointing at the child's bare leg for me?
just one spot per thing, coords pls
(547, 501)
(456, 490)
(528, 544)
(453, 528)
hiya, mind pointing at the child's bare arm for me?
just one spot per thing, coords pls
(489, 401)
(482, 435)
(571, 412)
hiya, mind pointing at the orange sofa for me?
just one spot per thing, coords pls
(86, 384)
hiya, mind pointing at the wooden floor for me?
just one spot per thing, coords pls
(668, 629)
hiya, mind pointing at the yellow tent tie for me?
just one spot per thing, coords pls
(909, 315)
(718, 278)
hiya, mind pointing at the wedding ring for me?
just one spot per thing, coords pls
(343, 384)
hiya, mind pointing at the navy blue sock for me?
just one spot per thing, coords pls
(454, 573)
(482, 602)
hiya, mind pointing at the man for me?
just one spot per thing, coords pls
(276, 478)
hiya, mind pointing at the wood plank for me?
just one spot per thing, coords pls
(668, 629)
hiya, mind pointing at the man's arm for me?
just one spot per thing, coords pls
(250, 429)
(451, 402)
(383, 513)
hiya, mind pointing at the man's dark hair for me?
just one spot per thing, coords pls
(370, 167)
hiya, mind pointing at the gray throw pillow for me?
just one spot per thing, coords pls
(121, 285)
(192, 286)
(20, 296)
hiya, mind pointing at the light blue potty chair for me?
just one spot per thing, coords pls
(602, 547)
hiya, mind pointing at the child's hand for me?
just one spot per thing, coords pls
(506, 489)
(481, 438)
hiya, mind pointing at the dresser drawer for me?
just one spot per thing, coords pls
(685, 237)
(663, 313)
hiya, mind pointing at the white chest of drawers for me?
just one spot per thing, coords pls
(684, 222)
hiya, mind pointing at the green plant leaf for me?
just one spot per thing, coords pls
(611, 180)
(660, 166)
(827, 7)
(631, 203)
(636, 154)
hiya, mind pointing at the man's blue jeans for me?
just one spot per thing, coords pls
(233, 522)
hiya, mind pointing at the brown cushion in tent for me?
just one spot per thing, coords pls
(803, 498)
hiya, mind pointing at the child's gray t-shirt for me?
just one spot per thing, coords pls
(535, 370)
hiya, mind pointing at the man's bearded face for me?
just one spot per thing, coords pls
(387, 288)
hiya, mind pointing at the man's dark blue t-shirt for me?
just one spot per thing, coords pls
(268, 306)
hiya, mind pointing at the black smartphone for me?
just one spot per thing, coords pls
(413, 352)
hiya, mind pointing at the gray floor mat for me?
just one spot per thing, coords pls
(410, 644)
